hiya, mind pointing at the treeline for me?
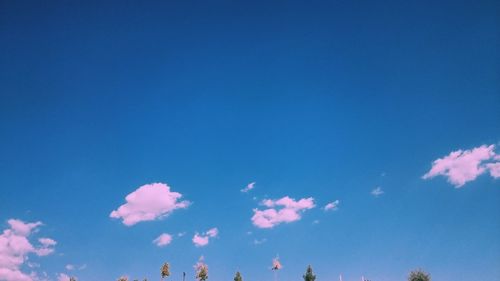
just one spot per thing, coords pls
(202, 274)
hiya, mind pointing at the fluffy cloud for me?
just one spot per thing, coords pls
(15, 248)
(333, 206)
(200, 240)
(284, 210)
(149, 202)
(377, 191)
(249, 187)
(462, 166)
(163, 240)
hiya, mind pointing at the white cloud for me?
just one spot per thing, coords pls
(284, 210)
(149, 202)
(15, 248)
(70, 267)
(462, 166)
(377, 191)
(163, 240)
(200, 240)
(249, 187)
(332, 206)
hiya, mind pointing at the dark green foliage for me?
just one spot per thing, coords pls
(238, 277)
(309, 276)
(419, 275)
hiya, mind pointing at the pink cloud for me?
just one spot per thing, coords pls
(163, 240)
(15, 248)
(62, 277)
(9, 274)
(494, 169)
(333, 206)
(23, 228)
(47, 242)
(200, 240)
(462, 166)
(149, 202)
(284, 210)
(249, 187)
(213, 232)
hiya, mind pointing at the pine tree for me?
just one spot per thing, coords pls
(309, 276)
(419, 275)
(238, 277)
(165, 270)
(201, 270)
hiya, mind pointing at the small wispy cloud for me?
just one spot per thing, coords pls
(259, 241)
(377, 191)
(163, 240)
(332, 206)
(200, 240)
(71, 267)
(249, 187)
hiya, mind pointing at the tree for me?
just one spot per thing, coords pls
(238, 277)
(201, 270)
(72, 279)
(165, 270)
(419, 275)
(309, 276)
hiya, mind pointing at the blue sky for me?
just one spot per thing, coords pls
(321, 99)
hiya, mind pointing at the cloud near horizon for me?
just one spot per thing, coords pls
(15, 248)
(284, 210)
(462, 166)
(200, 240)
(149, 202)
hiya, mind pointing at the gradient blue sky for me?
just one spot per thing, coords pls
(322, 99)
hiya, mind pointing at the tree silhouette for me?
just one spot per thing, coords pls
(165, 270)
(238, 277)
(201, 270)
(419, 275)
(309, 276)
